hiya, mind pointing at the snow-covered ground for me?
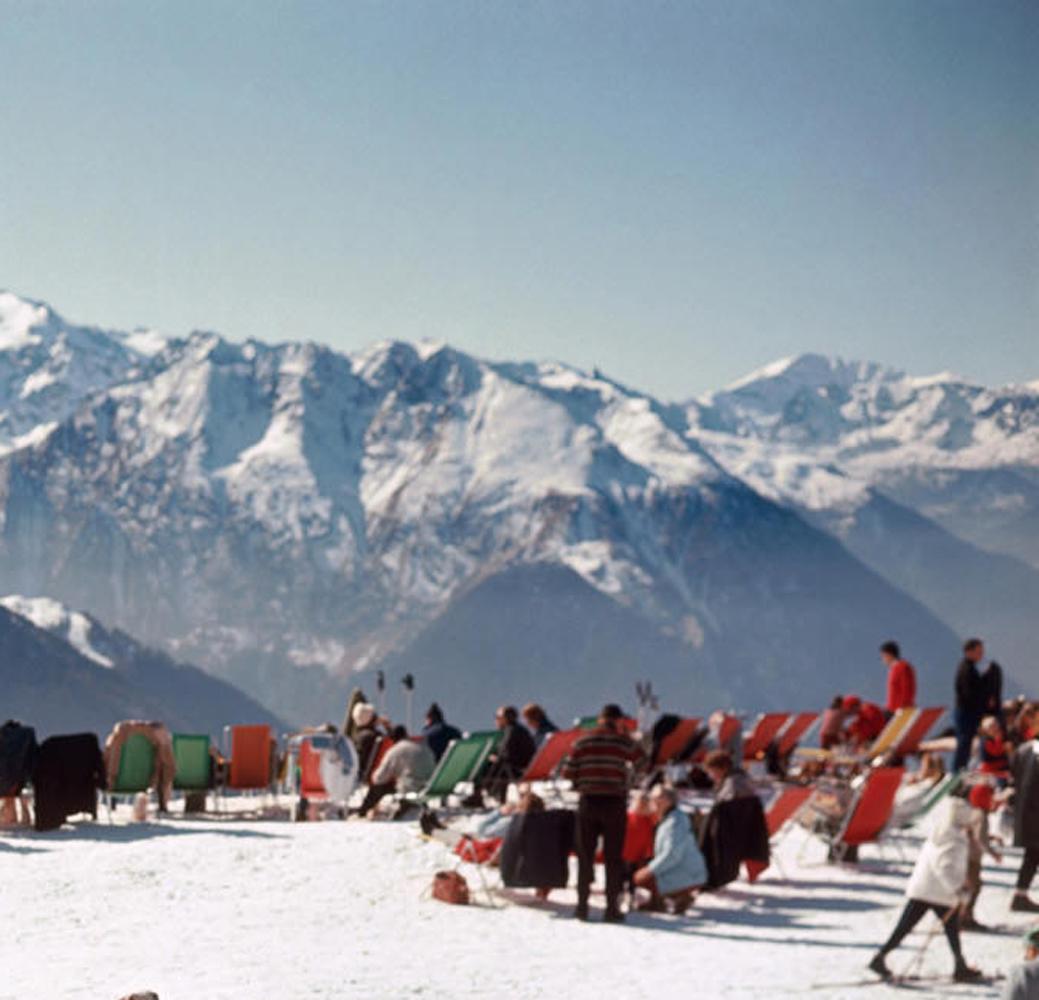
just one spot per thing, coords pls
(267, 910)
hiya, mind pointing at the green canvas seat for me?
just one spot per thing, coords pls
(191, 753)
(136, 766)
(462, 761)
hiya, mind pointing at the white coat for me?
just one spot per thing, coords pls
(941, 868)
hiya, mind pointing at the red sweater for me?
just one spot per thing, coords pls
(901, 686)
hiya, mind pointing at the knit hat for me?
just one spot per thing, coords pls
(363, 714)
(981, 797)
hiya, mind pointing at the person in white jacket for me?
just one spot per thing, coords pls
(937, 884)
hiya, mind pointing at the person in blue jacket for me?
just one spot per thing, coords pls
(678, 868)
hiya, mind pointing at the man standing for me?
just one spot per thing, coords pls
(1025, 769)
(598, 767)
(901, 678)
(972, 696)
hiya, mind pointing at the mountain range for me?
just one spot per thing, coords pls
(292, 519)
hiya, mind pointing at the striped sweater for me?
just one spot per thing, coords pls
(598, 764)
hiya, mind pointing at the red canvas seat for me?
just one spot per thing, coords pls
(764, 732)
(310, 784)
(870, 809)
(795, 730)
(250, 757)
(785, 806)
(551, 754)
(676, 741)
(921, 726)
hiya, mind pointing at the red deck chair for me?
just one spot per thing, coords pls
(764, 732)
(785, 806)
(550, 755)
(310, 784)
(870, 810)
(250, 757)
(676, 741)
(919, 728)
(794, 730)
(381, 749)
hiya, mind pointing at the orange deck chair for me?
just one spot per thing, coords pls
(870, 810)
(551, 754)
(764, 732)
(250, 758)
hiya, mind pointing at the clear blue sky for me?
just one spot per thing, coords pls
(675, 192)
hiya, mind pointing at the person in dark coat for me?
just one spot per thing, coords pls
(69, 771)
(515, 751)
(538, 722)
(438, 733)
(972, 697)
(1024, 766)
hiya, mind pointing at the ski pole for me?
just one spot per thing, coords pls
(918, 960)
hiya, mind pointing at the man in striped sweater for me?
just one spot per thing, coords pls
(599, 767)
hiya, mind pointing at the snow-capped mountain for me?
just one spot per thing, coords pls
(932, 481)
(64, 670)
(288, 516)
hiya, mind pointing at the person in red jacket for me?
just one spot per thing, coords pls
(901, 678)
(867, 720)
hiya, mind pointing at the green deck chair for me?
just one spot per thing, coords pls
(462, 761)
(191, 753)
(136, 767)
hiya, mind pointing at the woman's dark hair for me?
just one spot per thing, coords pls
(891, 647)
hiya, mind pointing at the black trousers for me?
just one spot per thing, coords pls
(602, 816)
(911, 915)
(375, 795)
(1029, 866)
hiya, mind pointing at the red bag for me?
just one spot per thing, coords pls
(450, 887)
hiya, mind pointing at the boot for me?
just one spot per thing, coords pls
(879, 966)
(581, 913)
(1022, 904)
(613, 916)
(965, 974)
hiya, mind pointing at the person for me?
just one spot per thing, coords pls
(407, 766)
(538, 722)
(936, 884)
(1024, 766)
(982, 801)
(515, 751)
(730, 782)
(930, 770)
(678, 868)
(831, 728)
(438, 733)
(971, 701)
(1023, 980)
(995, 758)
(364, 734)
(901, 678)
(867, 721)
(638, 837)
(992, 686)
(598, 767)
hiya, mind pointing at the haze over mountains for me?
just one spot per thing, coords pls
(290, 517)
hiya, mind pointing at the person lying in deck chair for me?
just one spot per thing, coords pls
(678, 868)
(407, 766)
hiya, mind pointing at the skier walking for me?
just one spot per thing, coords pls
(937, 884)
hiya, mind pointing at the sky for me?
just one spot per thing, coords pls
(676, 193)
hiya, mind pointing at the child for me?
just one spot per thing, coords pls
(638, 838)
(982, 800)
(995, 757)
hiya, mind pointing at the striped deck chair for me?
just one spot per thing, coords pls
(551, 754)
(892, 733)
(764, 732)
(926, 719)
(676, 741)
(870, 811)
(794, 731)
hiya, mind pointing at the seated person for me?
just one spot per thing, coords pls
(407, 766)
(995, 752)
(831, 728)
(930, 771)
(867, 721)
(508, 762)
(438, 732)
(730, 782)
(678, 867)
(364, 735)
(538, 722)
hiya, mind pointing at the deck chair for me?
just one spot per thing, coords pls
(785, 806)
(926, 719)
(676, 741)
(462, 761)
(892, 733)
(382, 747)
(551, 754)
(794, 731)
(764, 732)
(250, 768)
(194, 765)
(136, 767)
(947, 785)
(870, 811)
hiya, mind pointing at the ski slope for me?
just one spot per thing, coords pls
(269, 910)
